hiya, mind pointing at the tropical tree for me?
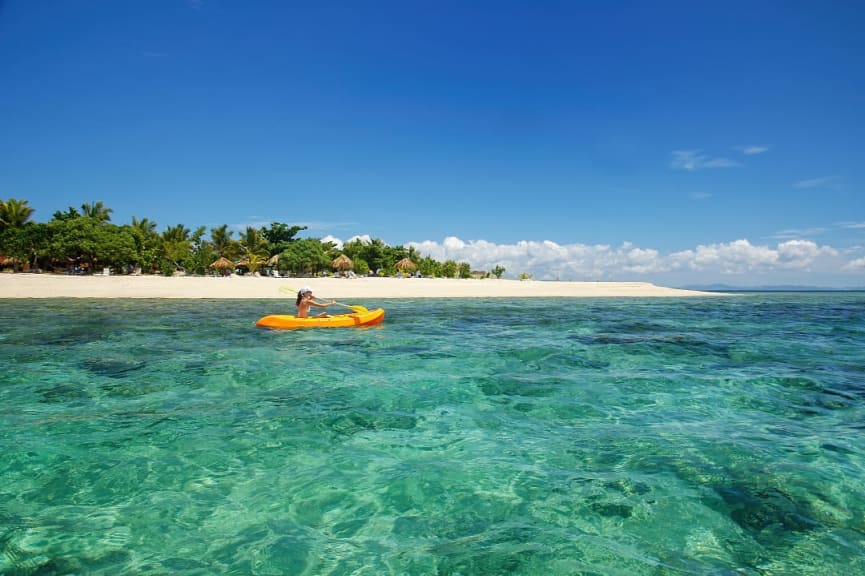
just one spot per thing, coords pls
(148, 244)
(85, 235)
(176, 249)
(70, 214)
(279, 236)
(91, 242)
(115, 247)
(374, 254)
(498, 271)
(15, 241)
(356, 249)
(464, 270)
(429, 267)
(98, 211)
(306, 256)
(449, 269)
(25, 244)
(223, 245)
(202, 251)
(14, 214)
(253, 248)
(361, 267)
(146, 226)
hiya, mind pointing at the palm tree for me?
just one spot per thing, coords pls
(147, 242)
(253, 247)
(18, 236)
(14, 214)
(145, 225)
(179, 233)
(176, 246)
(220, 237)
(97, 211)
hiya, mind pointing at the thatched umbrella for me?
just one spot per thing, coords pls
(405, 264)
(273, 261)
(222, 263)
(342, 262)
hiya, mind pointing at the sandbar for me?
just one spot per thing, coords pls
(24, 285)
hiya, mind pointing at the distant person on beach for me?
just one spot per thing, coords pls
(305, 299)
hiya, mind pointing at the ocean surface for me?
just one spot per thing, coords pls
(713, 436)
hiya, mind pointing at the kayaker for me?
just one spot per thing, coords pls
(305, 299)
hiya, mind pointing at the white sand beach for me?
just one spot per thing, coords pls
(59, 286)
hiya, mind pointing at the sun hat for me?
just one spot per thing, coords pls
(305, 289)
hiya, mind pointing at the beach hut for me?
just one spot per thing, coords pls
(222, 263)
(405, 265)
(342, 263)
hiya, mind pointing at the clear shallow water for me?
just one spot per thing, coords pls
(716, 436)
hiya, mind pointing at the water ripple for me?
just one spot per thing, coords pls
(598, 436)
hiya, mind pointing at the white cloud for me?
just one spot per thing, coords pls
(794, 233)
(693, 160)
(549, 260)
(824, 182)
(752, 149)
(802, 253)
(855, 265)
(734, 257)
(700, 195)
(737, 262)
(363, 238)
(740, 256)
(336, 241)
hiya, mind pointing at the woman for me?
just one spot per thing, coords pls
(305, 299)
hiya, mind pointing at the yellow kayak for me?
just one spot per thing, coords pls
(359, 318)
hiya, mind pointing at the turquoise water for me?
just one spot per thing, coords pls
(603, 436)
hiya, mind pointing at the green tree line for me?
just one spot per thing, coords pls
(85, 239)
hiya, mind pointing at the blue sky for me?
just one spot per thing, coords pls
(676, 142)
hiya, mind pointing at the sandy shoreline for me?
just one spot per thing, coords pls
(57, 286)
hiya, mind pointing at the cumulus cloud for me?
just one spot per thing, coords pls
(338, 242)
(802, 253)
(333, 239)
(738, 261)
(856, 265)
(549, 260)
(733, 257)
(740, 256)
(693, 160)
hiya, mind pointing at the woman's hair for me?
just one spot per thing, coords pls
(299, 298)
